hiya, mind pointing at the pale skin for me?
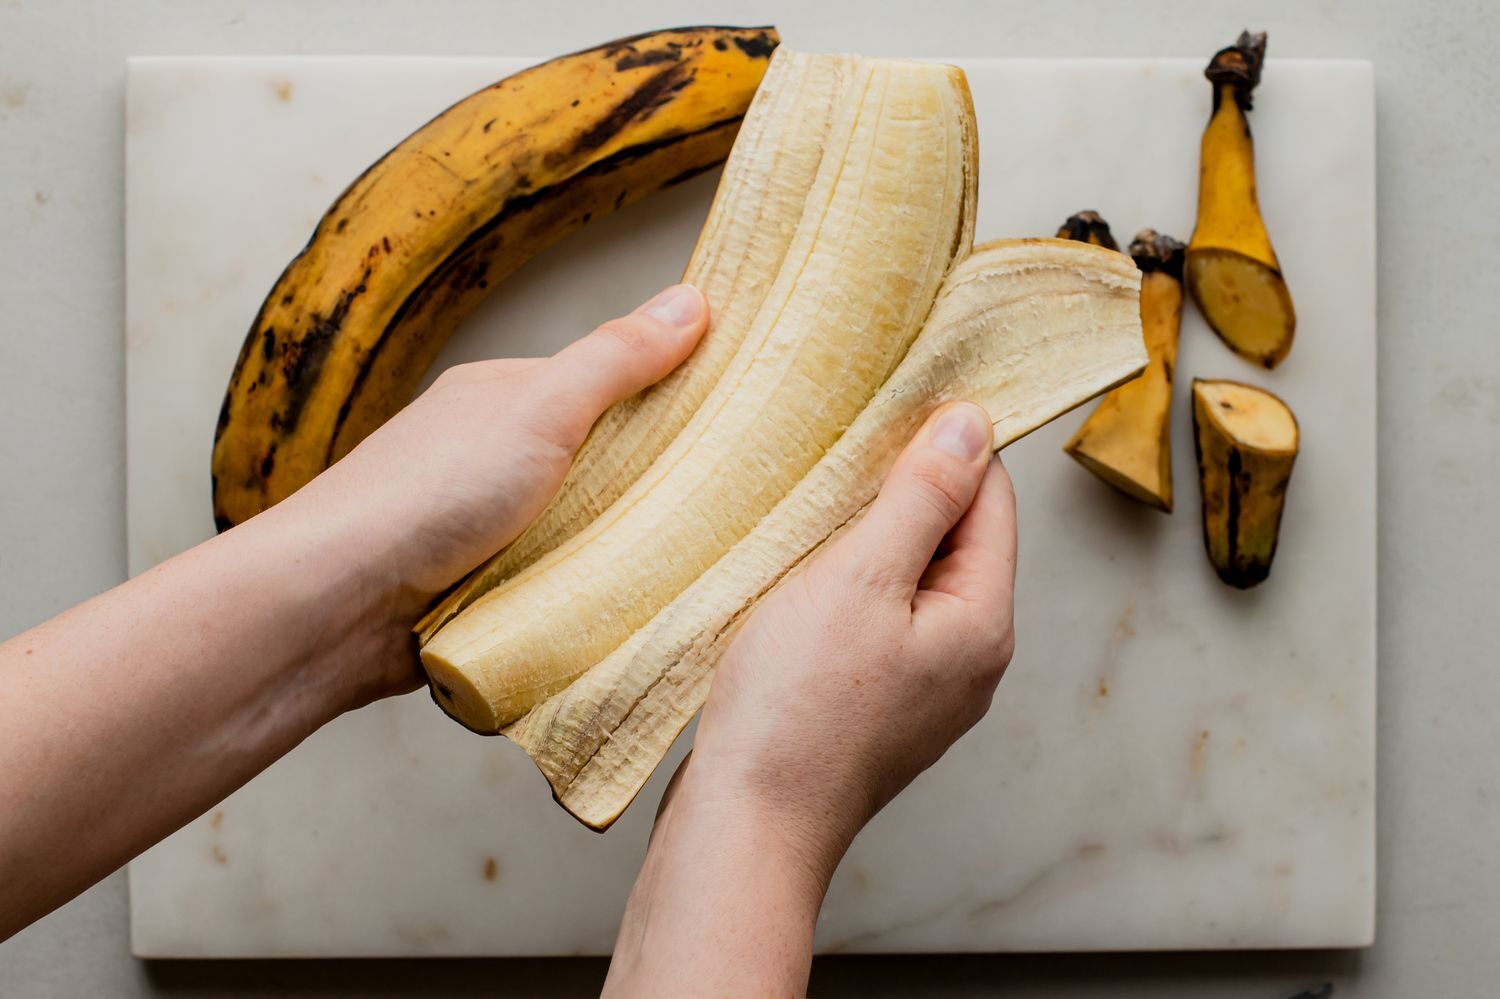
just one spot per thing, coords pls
(133, 713)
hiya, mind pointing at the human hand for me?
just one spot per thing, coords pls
(851, 679)
(459, 473)
(861, 671)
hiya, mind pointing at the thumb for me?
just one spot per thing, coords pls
(625, 355)
(925, 494)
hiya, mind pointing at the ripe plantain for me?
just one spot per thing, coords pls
(754, 216)
(415, 243)
(889, 211)
(1026, 328)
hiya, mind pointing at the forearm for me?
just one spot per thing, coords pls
(726, 902)
(133, 713)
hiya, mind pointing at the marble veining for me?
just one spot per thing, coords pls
(1169, 763)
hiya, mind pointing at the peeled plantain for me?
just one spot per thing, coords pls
(1247, 440)
(1127, 439)
(890, 208)
(416, 242)
(1232, 270)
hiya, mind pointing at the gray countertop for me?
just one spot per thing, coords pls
(61, 407)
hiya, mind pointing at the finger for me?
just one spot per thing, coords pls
(480, 371)
(932, 484)
(980, 566)
(625, 355)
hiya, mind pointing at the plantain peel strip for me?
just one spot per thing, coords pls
(1232, 270)
(1127, 439)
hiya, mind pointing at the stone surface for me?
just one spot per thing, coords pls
(62, 507)
(1171, 764)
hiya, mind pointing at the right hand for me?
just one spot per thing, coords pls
(860, 672)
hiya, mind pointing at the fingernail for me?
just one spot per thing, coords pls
(961, 433)
(679, 305)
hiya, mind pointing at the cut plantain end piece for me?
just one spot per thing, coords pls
(1247, 440)
(1088, 227)
(1127, 439)
(419, 239)
(1232, 270)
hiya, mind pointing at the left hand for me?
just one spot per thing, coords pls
(130, 714)
(458, 474)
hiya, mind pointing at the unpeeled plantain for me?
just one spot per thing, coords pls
(1127, 439)
(415, 243)
(1232, 270)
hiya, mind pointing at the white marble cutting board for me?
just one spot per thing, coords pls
(1169, 763)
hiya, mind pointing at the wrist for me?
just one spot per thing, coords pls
(714, 802)
(348, 621)
(726, 903)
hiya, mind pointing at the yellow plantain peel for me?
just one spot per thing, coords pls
(414, 244)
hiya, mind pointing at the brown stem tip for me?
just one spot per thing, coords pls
(1239, 66)
(1088, 227)
(1154, 251)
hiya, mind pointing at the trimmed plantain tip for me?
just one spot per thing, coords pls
(1088, 227)
(1155, 251)
(1239, 66)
